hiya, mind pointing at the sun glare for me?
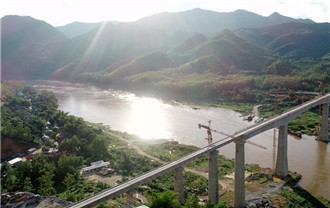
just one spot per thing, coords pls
(147, 119)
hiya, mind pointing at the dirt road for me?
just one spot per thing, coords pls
(222, 183)
(256, 110)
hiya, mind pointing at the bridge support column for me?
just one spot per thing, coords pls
(324, 131)
(178, 183)
(213, 182)
(281, 168)
(239, 194)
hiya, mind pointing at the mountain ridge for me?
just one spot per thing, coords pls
(290, 40)
(209, 22)
(75, 29)
(27, 46)
(110, 46)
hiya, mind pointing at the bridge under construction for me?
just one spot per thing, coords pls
(281, 167)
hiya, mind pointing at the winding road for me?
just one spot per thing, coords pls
(224, 185)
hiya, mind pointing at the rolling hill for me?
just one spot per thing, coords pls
(111, 44)
(290, 40)
(28, 46)
(202, 42)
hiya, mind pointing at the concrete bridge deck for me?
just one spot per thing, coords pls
(239, 138)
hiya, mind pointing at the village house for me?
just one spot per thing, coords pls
(95, 166)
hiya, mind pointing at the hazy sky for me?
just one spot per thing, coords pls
(61, 12)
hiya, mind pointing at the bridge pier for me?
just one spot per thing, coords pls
(213, 183)
(239, 193)
(281, 168)
(324, 131)
(178, 183)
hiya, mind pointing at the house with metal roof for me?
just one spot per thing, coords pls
(95, 166)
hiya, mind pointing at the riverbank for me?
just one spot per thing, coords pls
(306, 123)
(152, 118)
(260, 183)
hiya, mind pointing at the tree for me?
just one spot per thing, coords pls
(59, 118)
(45, 104)
(222, 204)
(209, 205)
(68, 181)
(127, 164)
(27, 186)
(72, 145)
(98, 149)
(167, 199)
(37, 125)
(23, 170)
(46, 185)
(10, 180)
(68, 164)
(29, 92)
(192, 202)
(40, 167)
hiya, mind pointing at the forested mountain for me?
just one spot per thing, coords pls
(75, 29)
(218, 53)
(111, 44)
(27, 47)
(210, 22)
(291, 40)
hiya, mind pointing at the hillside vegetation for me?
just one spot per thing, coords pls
(290, 40)
(194, 59)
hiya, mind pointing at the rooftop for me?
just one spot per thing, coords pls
(15, 160)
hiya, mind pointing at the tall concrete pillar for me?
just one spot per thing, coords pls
(239, 194)
(281, 168)
(324, 131)
(213, 177)
(178, 183)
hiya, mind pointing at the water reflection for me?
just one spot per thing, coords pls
(320, 174)
(146, 119)
(151, 118)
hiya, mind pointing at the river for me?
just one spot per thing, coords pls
(152, 118)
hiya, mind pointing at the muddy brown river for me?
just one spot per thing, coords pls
(152, 118)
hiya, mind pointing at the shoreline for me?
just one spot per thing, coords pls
(270, 189)
(307, 182)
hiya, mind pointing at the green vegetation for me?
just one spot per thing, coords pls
(244, 108)
(29, 115)
(24, 115)
(233, 70)
(169, 199)
(307, 123)
(172, 150)
(166, 151)
(297, 197)
(79, 144)
(49, 177)
(226, 166)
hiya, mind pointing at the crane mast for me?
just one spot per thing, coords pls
(209, 133)
(210, 139)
